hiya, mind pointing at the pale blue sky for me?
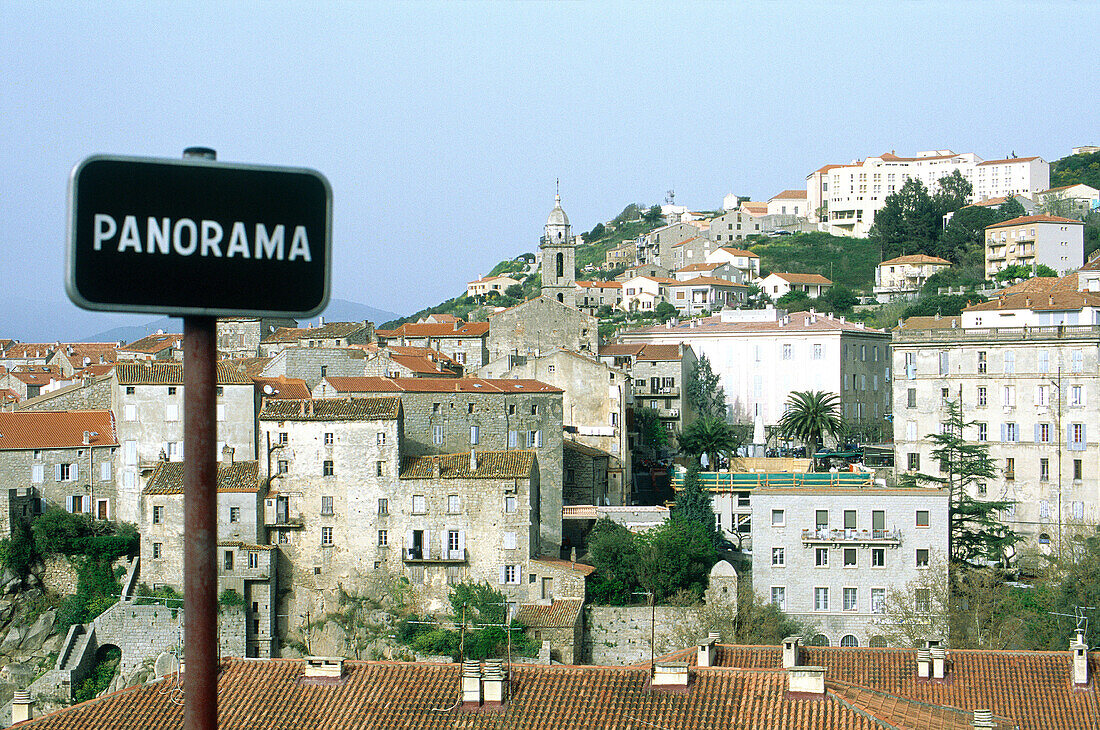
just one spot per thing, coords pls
(442, 126)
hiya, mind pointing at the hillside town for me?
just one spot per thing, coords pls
(656, 467)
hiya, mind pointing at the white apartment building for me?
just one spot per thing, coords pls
(790, 202)
(778, 284)
(829, 556)
(905, 275)
(849, 196)
(644, 293)
(1034, 240)
(1029, 393)
(761, 356)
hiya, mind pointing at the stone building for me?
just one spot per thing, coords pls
(159, 346)
(346, 501)
(313, 363)
(455, 415)
(557, 258)
(333, 334)
(659, 374)
(464, 342)
(67, 458)
(591, 295)
(395, 361)
(541, 325)
(829, 556)
(147, 399)
(246, 564)
(241, 336)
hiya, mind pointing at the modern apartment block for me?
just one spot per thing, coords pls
(829, 556)
(846, 197)
(1035, 240)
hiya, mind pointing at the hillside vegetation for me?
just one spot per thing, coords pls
(847, 261)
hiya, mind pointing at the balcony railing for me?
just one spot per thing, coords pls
(847, 537)
(420, 556)
(283, 521)
(1006, 334)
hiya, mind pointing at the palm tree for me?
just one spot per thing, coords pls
(710, 436)
(810, 416)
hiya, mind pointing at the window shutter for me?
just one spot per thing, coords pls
(408, 538)
(1004, 432)
(1084, 439)
(74, 472)
(443, 543)
(427, 544)
(502, 575)
(57, 475)
(462, 541)
(68, 504)
(1038, 433)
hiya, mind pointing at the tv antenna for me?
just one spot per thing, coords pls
(670, 197)
(1078, 615)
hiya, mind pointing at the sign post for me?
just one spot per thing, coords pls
(198, 239)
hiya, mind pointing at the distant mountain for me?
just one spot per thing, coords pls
(29, 320)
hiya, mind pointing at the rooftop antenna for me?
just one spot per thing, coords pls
(1079, 616)
(670, 197)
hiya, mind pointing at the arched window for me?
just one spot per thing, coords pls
(877, 641)
(561, 265)
(561, 298)
(849, 640)
(1044, 538)
(819, 640)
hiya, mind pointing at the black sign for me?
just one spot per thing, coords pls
(198, 237)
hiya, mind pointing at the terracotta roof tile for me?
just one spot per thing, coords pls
(282, 387)
(331, 409)
(561, 613)
(929, 323)
(490, 465)
(328, 331)
(620, 350)
(372, 384)
(803, 278)
(659, 352)
(916, 258)
(152, 344)
(444, 329)
(566, 565)
(171, 373)
(739, 252)
(240, 476)
(1051, 301)
(56, 429)
(1025, 219)
(699, 267)
(253, 366)
(708, 281)
(790, 195)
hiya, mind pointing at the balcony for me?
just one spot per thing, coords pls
(668, 412)
(283, 521)
(423, 556)
(836, 538)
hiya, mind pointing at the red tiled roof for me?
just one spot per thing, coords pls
(373, 384)
(171, 373)
(421, 364)
(699, 267)
(739, 252)
(790, 195)
(659, 352)
(282, 387)
(916, 258)
(56, 429)
(686, 240)
(431, 329)
(36, 374)
(240, 476)
(152, 344)
(252, 366)
(803, 278)
(24, 350)
(331, 409)
(490, 465)
(561, 613)
(620, 350)
(1042, 218)
(600, 284)
(1051, 301)
(1009, 159)
(566, 565)
(708, 281)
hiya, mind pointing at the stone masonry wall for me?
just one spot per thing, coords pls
(58, 575)
(140, 632)
(619, 635)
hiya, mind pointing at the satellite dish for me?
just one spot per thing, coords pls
(268, 390)
(165, 664)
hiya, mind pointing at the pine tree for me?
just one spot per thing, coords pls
(976, 533)
(704, 392)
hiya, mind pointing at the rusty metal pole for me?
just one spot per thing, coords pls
(200, 590)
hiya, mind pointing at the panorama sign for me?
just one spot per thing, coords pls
(198, 237)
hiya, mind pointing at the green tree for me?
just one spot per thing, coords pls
(711, 436)
(795, 300)
(1019, 271)
(676, 558)
(839, 299)
(665, 311)
(952, 193)
(906, 223)
(704, 391)
(976, 534)
(515, 291)
(945, 305)
(597, 232)
(693, 504)
(810, 417)
(653, 434)
(653, 215)
(614, 554)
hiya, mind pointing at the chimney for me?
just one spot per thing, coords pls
(473, 460)
(705, 656)
(1027, 301)
(806, 680)
(670, 674)
(983, 719)
(924, 663)
(1080, 651)
(790, 651)
(435, 467)
(324, 666)
(471, 682)
(938, 655)
(493, 682)
(227, 454)
(87, 438)
(21, 706)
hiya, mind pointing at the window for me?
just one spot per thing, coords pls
(326, 536)
(922, 518)
(1076, 437)
(326, 505)
(878, 557)
(779, 597)
(849, 641)
(779, 556)
(1011, 433)
(1042, 433)
(534, 439)
(1078, 510)
(849, 519)
(283, 466)
(922, 558)
(850, 599)
(849, 557)
(1010, 468)
(983, 431)
(777, 518)
(534, 409)
(1010, 396)
(1010, 362)
(821, 557)
(922, 600)
(228, 559)
(945, 362)
(381, 438)
(234, 514)
(420, 504)
(437, 435)
(509, 574)
(982, 400)
(129, 390)
(1042, 395)
(512, 406)
(158, 549)
(819, 352)
(509, 541)
(786, 352)
(509, 504)
(1044, 470)
(327, 468)
(1076, 396)
(172, 412)
(513, 439)
(454, 504)
(911, 394)
(383, 538)
(328, 438)
(914, 461)
(821, 599)
(1077, 470)
(981, 361)
(1077, 361)
(945, 395)
(821, 519)
(379, 468)
(158, 514)
(253, 559)
(475, 435)
(1044, 361)
(383, 506)
(878, 600)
